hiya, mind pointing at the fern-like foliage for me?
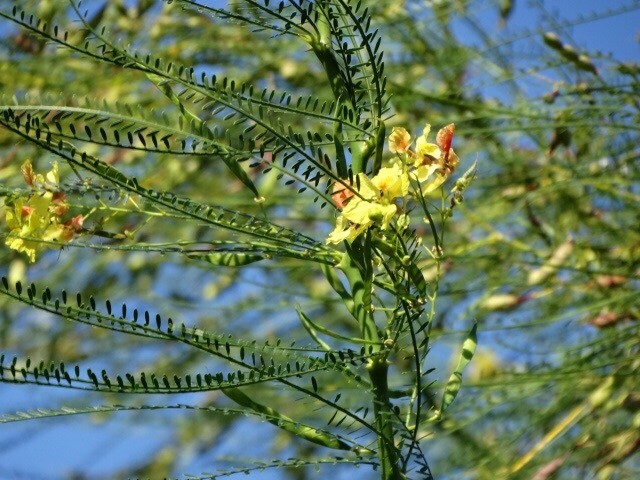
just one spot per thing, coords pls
(202, 149)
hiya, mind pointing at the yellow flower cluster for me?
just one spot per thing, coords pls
(373, 201)
(37, 219)
(432, 163)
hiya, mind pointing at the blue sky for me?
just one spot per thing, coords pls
(71, 443)
(618, 33)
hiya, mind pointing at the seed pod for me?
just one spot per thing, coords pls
(629, 68)
(506, 9)
(274, 417)
(229, 259)
(585, 63)
(580, 60)
(555, 262)
(500, 301)
(552, 40)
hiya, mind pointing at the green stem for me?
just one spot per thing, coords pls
(321, 46)
(358, 268)
(387, 452)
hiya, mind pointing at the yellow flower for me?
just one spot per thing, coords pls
(52, 176)
(373, 204)
(345, 231)
(399, 140)
(434, 162)
(29, 224)
(426, 152)
(391, 182)
(367, 213)
(37, 219)
(430, 179)
(426, 163)
(34, 179)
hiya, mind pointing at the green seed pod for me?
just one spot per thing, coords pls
(570, 53)
(629, 68)
(581, 61)
(552, 40)
(506, 8)
(585, 63)
(274, 417)
(229, 259)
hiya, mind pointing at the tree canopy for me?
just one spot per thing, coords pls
(230, 221)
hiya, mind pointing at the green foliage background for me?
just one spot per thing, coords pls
(544, 252)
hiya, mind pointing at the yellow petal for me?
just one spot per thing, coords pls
(40, 203)
(435, 182)
(392, 182)
(453, 161)
(53, 232)
(425, 148)
(340, 233)
(399, 140)
(52, 176)
(424, 172)
(345, 231)
(13, 216)
(382, 215)
(20, 245)
(358, 211)
(366, 189)
(355, 231)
